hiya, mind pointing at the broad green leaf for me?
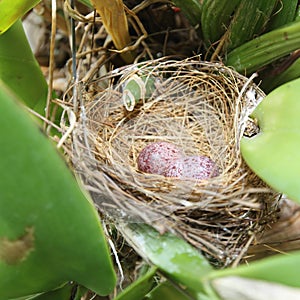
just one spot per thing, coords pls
(279, 269)
(173, 256)
(169, 291)
(68, 291)
(50, 232)
(273, 154)
(139, 288)
(11, 11)
(237, 288)
(19, 69)
(166, 291)
(62, 293)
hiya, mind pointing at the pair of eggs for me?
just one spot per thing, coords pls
(166, 159)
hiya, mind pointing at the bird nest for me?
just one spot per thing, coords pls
(202, 108)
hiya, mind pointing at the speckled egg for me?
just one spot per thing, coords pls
(193, 167)
(175, 168)
(156, 157)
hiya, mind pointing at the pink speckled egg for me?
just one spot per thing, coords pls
(193, 167)
(199, 167)
(156, 157)
(175, 168)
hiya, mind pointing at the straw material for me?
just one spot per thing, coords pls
(202, 108)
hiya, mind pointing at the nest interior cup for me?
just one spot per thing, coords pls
(202, 108)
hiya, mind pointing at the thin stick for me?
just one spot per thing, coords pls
(51, 62)
(115, 253)
(72, 120)
(43, 118)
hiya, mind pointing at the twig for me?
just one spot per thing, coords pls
(51, 62)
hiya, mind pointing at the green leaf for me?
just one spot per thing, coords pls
(274, 153)
(215, 18)
(251, 56)
(285, 12)
(50, 232)
(249, 20)
(11, 11)
(174, 257)
(283, 270)
(62, 293)
(140, 287)
(166, 291)
(237, 288)
(19, 69)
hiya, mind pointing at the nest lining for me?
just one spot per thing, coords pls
(203, 109)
